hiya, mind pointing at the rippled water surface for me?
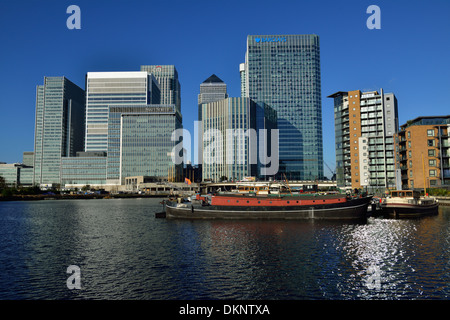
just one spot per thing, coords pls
(125, 253)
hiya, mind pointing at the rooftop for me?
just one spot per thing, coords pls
(428, 120)
(213, 79)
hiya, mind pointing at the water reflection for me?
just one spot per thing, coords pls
(396, 259)
(125, 253)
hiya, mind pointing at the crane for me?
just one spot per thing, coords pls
(333, 172)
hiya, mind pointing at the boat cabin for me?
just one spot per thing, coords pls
(405, 194)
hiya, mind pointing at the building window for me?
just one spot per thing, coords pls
(431, 142)
(412, 184)
(410, 163)
(433, 182)
(432, 173)
(409, 134)
(409, 144)
(432, 162)
(410, 173)
(431, 152)
(409, 153)
(430, 132)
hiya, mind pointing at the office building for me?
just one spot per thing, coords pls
(105, 89)
(16, 174)
(85, 169)
(283, 71)
(232, 139)
(28, 158)
(169, 85)
(140, 144)
(365, 125)
(423, 152)
(224, 156)
(59, 127)
(267, 140)
(212, 89)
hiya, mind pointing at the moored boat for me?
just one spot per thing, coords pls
(408, 204)
(272, 206)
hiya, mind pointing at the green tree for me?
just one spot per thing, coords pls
(7, 192)
(2, 183)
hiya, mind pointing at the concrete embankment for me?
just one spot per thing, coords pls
(443, 201)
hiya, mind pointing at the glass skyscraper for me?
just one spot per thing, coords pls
(212, 89)
(59, 127)
(169, 85)
(283, 71)
(105, 89)
(221, 157)
(139, 142)
(233, 137)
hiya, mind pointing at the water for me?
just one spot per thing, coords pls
(123, 252)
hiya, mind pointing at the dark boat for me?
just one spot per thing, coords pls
(268, 206)
(408, 204)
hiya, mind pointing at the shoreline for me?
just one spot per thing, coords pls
(78, 196)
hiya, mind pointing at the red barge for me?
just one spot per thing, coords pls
(272, 206)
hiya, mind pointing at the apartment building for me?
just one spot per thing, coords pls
(423, 152)
(365, 125)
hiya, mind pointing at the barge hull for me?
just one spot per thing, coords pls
(408, 211)
(354, 210)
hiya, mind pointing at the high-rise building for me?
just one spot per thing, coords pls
(423, 152)
(105, 89)
(283, 71)
(365, 125)
(212, 89)
(232, 137)
(28, 158)
(169, 85)
(59, 127)
(140, 142)
(227, 153)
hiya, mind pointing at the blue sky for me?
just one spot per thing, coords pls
(408, 56)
